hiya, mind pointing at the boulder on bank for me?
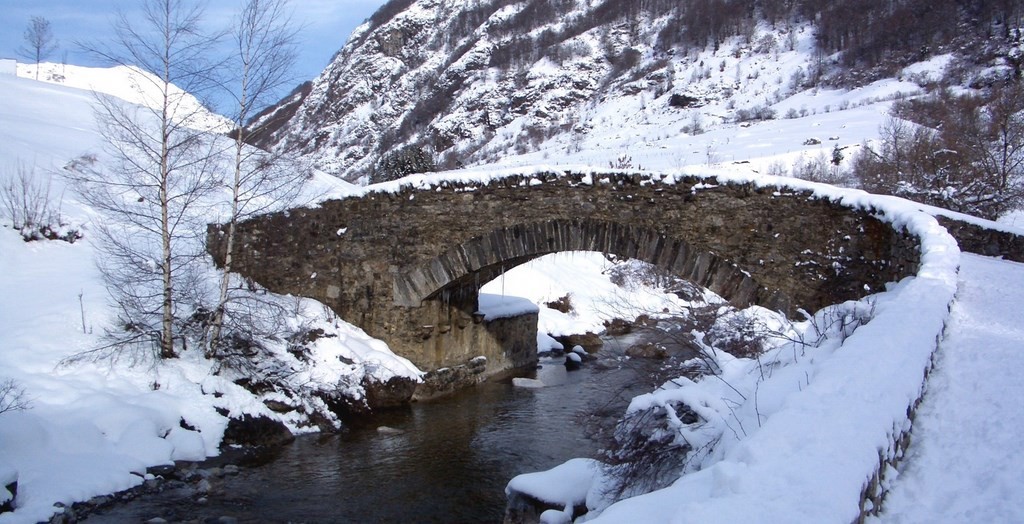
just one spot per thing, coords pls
(7, 494)
(392, 393)
(590, 341)
(256, 431)
(528, 383)
(617, 327)
(563, 488)
(573, 361)
(443, 381)
(395, 392)
(646, 320)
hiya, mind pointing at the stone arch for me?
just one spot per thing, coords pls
(462, 269)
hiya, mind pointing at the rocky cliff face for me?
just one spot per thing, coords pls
(469, 81)
(472, 81)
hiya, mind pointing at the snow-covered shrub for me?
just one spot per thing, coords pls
(960, 152)
(718, 399)
(26, 203)
(814, 168)
(623, 161)
(755, 113)
(563, 304)
(649, 451)
(834, 323)
(696, 125)
(777, 168)
(765, 44)
(635, 274)
(741, 333)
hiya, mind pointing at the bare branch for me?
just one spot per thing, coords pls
(12, 396)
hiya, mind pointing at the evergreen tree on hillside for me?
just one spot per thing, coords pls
(403, 162)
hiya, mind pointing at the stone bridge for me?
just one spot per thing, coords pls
(405, 262)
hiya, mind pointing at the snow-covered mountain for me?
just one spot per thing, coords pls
(129, 84)
(474, 82)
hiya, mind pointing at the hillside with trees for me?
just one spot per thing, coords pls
(469, 83)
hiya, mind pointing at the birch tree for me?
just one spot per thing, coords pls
(159, 170)
(263, 52)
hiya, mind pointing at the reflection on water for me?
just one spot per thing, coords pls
(448, 461)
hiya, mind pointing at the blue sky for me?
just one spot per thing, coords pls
(327, 25)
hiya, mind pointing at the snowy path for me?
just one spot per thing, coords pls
(966, 463)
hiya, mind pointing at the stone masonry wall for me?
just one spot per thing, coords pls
(989, 242)
(406, 265)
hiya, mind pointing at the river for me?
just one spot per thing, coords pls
(442, 461)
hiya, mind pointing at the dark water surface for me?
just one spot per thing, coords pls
(441, 461)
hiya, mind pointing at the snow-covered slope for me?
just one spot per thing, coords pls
(475, 82)
(92, 428)
(129, 84)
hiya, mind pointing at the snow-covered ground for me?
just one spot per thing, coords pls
(584, 278)
(965, 463)
(796, 434)
(651, 138)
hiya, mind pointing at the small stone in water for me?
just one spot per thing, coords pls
(203, 486)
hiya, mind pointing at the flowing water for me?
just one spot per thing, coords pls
(441, 461)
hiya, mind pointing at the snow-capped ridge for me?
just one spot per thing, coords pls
(130, 84)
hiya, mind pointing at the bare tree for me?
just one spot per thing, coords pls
(12, 396)
(39, 41)
(1000, 152)
(961, 152)
(161, 169)
(264, 51)
(25, 198)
